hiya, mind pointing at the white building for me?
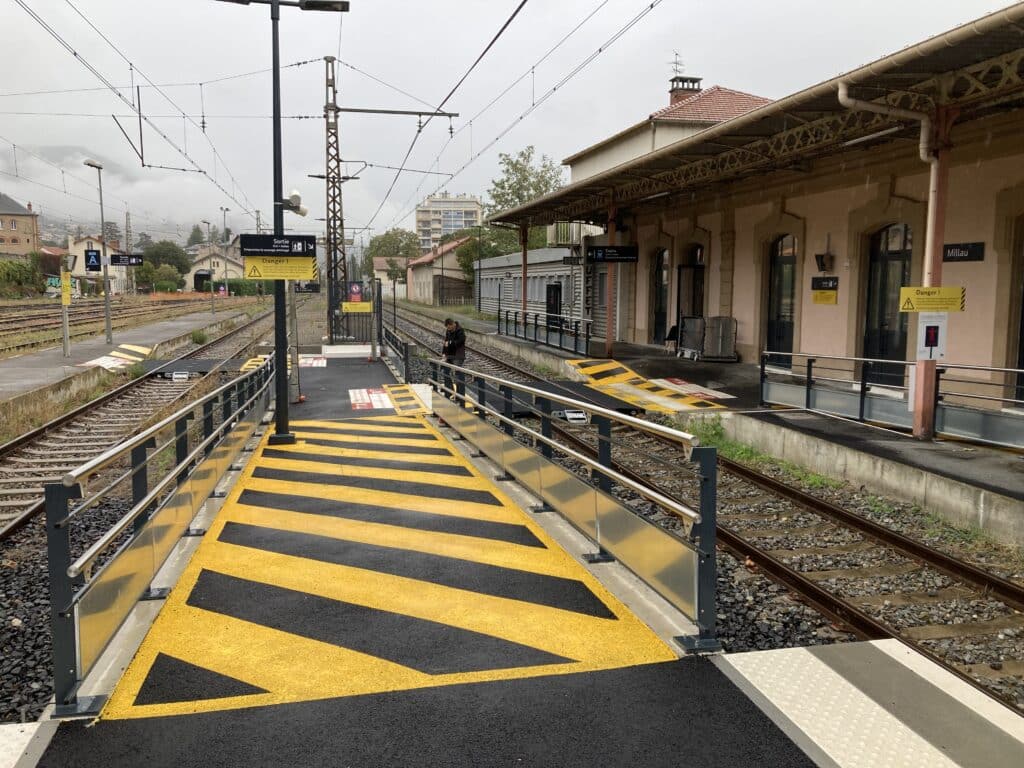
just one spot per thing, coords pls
(444, 214)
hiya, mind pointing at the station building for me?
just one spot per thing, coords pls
(846, 180)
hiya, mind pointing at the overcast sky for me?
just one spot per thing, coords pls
(423, 48)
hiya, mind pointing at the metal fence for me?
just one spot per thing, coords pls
(681, 568)
(91, 594)
(571, 334)
(971, 401)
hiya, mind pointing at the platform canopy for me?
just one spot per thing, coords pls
(977, 68)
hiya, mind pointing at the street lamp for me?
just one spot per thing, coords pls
(282, 435)
(103, 240)
(224, 234)
(209, 256)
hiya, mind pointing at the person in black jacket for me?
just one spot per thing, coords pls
(454, 349)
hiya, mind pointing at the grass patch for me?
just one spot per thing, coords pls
(198, 336)
(710, 431)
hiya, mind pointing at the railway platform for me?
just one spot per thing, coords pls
(968, 484)
(373, 596)
(30, 371)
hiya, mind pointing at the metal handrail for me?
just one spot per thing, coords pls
(87, 558)
(958, 366)
(647, 493)
(690, 441)
(109, 456)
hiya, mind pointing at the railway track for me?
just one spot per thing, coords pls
(45, 454)
(863, 576)
(44, 323)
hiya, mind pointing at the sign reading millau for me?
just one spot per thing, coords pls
(269, 257)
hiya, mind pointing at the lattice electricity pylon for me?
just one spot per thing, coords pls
(336, 262)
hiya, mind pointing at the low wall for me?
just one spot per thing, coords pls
(961, 504)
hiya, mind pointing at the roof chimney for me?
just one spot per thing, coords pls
(683, 87)
(30, 207)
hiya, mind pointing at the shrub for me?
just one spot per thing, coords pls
(198, 337)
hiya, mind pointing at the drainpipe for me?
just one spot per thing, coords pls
(934, 150)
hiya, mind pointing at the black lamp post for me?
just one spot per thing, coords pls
(281, 429)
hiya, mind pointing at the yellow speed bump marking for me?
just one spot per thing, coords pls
(617, 380)
(291, 666)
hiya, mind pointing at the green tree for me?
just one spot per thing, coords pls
(228, 234)
(167, 278)
(165, 252)
(145, 275)
(395, 270)
(195, 237)
(398, 244)
(143, 241)
(522, 180)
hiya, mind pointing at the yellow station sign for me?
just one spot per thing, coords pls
(65, 288)
(280, 267)
(357, 306)
(941, 299)
(825, 297)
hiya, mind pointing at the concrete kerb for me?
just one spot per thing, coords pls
(956, 502)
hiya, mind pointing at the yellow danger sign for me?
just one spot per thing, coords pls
(357, 306)
(65, 288)
(825, 297)
(280, 267)
(941, 299)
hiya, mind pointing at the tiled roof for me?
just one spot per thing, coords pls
(380, 263)
(443, 250)
(11, 206)
(711, 106)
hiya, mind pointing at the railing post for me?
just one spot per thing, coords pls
(810, 382)
(460, 387)
(865, 371)
(544, 406)
(576, 336)
(435, 378)
(604, 452)
(506, 393)
(208, 424)
(481, 397)
(225, 403)
(561, 334)
(62, 616)
(702, 536)
(764, 375)
(937, 395)
(536, 324)
(140, 479)
(586, 346)
(405, 362)
(181, 445)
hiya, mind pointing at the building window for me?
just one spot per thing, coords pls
(3, 239)
(14, 224)
(15, 240)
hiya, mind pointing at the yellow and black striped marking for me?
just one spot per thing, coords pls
(371, 557)
(255, 362)
(132, 353)
(617, 380)
(405, 400)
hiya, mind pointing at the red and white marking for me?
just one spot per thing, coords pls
(312, 361)
(369, 399)
(696, 390)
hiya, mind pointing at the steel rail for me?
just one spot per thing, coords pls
(27, 438)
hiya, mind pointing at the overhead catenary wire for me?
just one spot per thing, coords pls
(528, 73)
(440, 106)
(547, 94)
(110, 86)
(170, 101)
